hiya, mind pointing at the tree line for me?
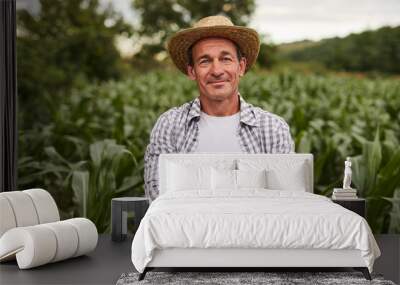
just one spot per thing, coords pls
(368, 51)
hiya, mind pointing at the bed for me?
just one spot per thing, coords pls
(247, 210)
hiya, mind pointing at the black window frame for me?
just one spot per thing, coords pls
(8, 97)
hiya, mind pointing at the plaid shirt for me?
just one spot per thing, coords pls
(177, 131)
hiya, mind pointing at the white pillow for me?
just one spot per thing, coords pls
(251, 178)
(292, 181)
(280, 174)
(228, 179)
(223, 179)
(182, 177)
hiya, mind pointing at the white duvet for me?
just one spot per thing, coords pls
(250, 218)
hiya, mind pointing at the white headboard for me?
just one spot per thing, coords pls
(228, 160)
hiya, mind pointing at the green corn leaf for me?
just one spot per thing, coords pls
(129, 183)
(394, 226)
(80, 186)
(373, 153)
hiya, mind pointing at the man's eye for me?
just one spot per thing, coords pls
(203, 61)
(226, 59)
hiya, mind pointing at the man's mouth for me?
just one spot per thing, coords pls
(217, 82)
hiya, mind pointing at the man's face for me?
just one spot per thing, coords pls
(216, 68)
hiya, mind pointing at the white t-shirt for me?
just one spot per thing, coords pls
(218, 134)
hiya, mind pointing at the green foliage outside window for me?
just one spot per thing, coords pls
(67, 44)
(331, 117)
(85, 115)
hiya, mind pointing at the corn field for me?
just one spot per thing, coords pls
(93, 149)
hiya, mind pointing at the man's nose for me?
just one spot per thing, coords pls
(216, 68)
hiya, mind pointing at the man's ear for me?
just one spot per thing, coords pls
(191, 73)
(242, 66)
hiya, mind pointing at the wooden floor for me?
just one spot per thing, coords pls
(111, 259)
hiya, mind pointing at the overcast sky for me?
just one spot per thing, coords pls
(291, 20)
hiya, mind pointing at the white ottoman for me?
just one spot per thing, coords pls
(31, 232)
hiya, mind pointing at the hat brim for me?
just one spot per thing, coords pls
(246, 38)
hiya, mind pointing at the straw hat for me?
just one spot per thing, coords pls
(213, 26)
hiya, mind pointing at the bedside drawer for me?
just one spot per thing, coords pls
(356, 205)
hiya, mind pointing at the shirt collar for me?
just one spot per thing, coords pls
(247, 113)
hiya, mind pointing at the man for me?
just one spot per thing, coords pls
(215, 54)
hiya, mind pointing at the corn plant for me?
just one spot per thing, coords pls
(112, 171)
(378, 182)
(394, 225)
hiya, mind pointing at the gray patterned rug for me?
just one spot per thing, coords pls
(231, 278)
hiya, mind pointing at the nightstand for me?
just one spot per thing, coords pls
(120, 209)
(356, 205)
